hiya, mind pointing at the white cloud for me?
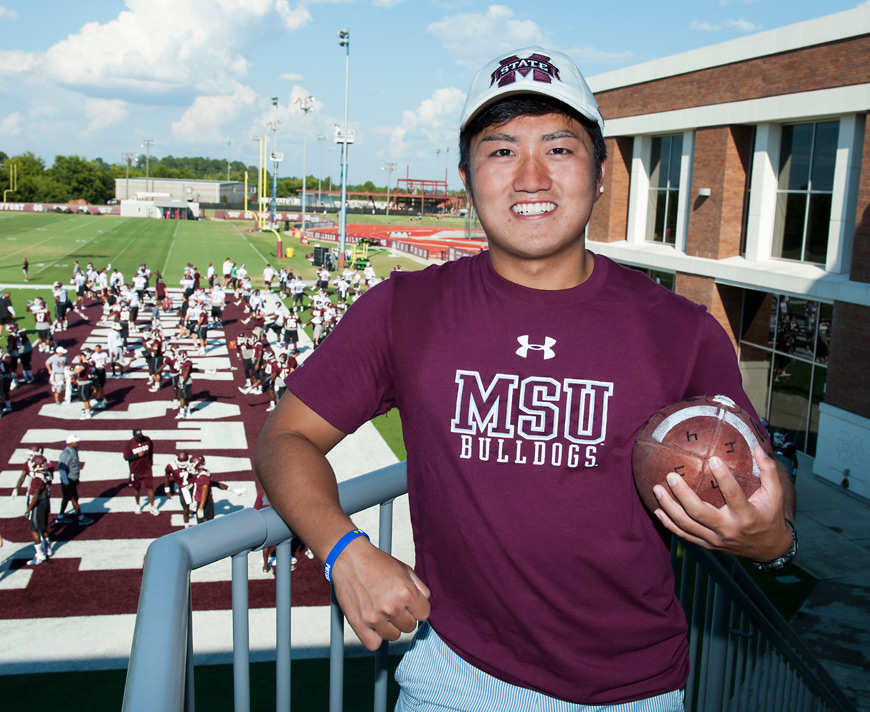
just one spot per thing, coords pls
(200, 50)
(15, 61)
(12, 124)
(434, 124)
(104, 113)
(7, 14)
(739, 25)
(204, 120)
(474, 38)
(388, 4)
(291, 77)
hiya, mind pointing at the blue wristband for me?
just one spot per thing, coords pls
(340, 546)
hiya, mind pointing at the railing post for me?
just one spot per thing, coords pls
(241, 634)
(283, 578)
(336, 654)
(382, 656)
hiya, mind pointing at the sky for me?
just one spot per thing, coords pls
(96, 78)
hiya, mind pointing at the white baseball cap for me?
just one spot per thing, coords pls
(60, 350)
(72, 438)
(531, 70)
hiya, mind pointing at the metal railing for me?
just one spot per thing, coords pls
(743, 654)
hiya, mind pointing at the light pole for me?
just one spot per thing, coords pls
(344, 41)
(389, 168)
(320, 139)
(128, 159)
(305, 104)
(276, 159)
(146, 143)
(229, 143)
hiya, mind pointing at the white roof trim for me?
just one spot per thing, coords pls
(802, 106)
(842, 25)
(782, 276)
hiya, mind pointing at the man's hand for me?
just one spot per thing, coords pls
(380, 596)
(753, 527)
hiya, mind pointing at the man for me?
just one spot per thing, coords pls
(7, 311)
(542, 580)
(139, 454)
(38, 506)
(56, 365)
(69, 466)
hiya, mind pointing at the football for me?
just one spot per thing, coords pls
(684, 436)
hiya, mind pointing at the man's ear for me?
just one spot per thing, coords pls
(464, 177)
(600, 182)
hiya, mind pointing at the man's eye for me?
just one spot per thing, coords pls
(559, 151)
(502, 152)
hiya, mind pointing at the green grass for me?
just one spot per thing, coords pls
(103, 690)
(53, 241)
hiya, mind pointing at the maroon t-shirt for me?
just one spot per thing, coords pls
(140, 465)
(519, 411)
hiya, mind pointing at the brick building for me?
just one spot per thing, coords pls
(739, 176)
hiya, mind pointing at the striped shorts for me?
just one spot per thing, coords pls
(433, 678)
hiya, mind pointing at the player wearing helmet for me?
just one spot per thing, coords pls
(38, 506)
(203, 489)
(61, 306)
(178, 476)
(27, 470)
(6, 376)
(42, 319)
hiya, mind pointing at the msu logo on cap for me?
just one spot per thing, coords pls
(539, 64)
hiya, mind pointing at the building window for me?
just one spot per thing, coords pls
(806, 184)
(783, 358)
(664, 188)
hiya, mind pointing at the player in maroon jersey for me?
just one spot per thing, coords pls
(38, 505)
(139, 454)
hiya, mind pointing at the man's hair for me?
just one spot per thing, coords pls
(512, 107)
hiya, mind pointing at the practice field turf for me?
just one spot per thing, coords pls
(52, 242)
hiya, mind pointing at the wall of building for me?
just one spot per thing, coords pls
(814, 71)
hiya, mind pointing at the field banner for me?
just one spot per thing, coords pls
(61, 208)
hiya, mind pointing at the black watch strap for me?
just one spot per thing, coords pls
(781, 561)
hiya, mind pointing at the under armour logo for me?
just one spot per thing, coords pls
(546, 347)
(538, 64)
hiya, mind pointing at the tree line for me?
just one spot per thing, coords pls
(76, 178)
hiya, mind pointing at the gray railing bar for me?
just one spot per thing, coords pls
(283, 582)
(190, 688)
(382, 656)
(736, 582)
(336, 654)
(241, 634)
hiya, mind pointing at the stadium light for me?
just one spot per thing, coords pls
(146, 144)
(389, 168)
(276, 159)
(320, 139)
(306, 105)
(344, 41)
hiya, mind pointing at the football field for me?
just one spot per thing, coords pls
(76, 611)
(52, 242)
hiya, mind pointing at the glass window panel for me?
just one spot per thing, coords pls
(790, 396)
(755, 366)
(803, 343)
(818, 228)
(676, 160)
(655, 162)
(794, 157)
(788, 228)
(671, 228)
(666, 279)
(820, 377)
(825, 155)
